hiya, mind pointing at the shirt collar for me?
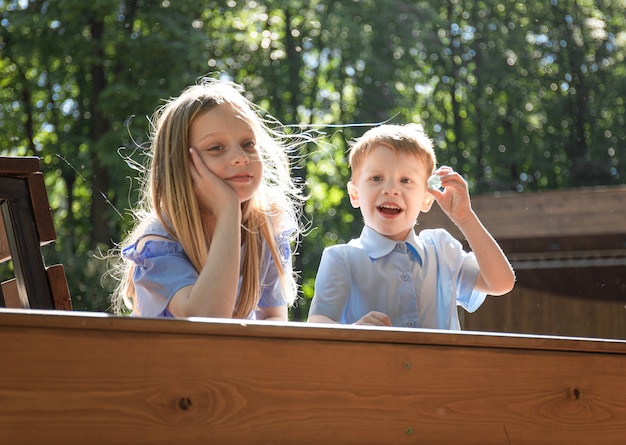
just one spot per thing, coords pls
(377, 245)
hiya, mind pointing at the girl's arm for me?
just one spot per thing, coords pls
(273, 313)
(496, 277)
(215, 292)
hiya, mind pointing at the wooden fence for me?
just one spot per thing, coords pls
(85, 378)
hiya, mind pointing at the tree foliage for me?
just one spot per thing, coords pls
(516, 95)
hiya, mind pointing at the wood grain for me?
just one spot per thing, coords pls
(27, 168)
(84, 378)
(580, 212)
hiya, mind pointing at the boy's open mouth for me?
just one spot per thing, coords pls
(389, 209)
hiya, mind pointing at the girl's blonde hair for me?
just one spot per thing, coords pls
(168, 194)
(409, 138)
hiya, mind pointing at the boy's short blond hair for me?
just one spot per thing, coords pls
(409, 138)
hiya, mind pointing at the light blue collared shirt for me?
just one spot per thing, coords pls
(418, 282)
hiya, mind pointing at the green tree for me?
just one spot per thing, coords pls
(516, 96)
(77, 72)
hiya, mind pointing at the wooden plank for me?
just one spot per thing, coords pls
(27, 169)
(5, 250)
(24, 243)
(18, 165)
(58, 287)
(583, 212)
(537, 311)
(98, 379)
(41, 208)
(11, 294)
(27, 225)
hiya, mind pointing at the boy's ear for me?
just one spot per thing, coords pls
(354, 195)
(428, 202)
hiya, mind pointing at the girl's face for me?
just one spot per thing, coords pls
(226, 144)
(390, 188)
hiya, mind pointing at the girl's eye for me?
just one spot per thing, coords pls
(249, 145)
(214, 148)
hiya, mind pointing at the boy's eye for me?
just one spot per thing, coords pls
(376, 178)
(405, 181)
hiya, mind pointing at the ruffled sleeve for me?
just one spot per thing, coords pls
(162, 268)
(272, 293)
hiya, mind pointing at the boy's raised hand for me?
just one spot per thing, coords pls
(454, 199)
(496, 277)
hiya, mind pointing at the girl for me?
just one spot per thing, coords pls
(217, 213)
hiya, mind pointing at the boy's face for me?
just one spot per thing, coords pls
(391, 190)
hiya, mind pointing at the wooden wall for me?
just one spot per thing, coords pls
(532, 311)
(80, 378)
(569, 251)
(593, 211)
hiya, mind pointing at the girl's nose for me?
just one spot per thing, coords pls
(239, 156)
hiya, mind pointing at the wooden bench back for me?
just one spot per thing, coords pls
(28, 225)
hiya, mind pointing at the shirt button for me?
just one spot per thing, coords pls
(400, 247)
(404, 276)
(410, 324)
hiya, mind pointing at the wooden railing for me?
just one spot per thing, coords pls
(85, 378)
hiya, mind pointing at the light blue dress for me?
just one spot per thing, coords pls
(162, 268)
(418, 283)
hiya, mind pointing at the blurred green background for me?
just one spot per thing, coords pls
(517, 96)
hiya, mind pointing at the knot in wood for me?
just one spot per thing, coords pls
(184, 403)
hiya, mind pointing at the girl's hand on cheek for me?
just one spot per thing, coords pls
(214, 195)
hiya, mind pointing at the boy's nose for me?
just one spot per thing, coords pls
(390, 189)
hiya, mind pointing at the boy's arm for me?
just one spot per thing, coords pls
(320, 319)
(332, 290)
(372, 318)
(496, 277)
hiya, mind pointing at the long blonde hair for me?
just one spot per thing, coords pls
(168, 194)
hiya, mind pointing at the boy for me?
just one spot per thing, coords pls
(391, 276)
